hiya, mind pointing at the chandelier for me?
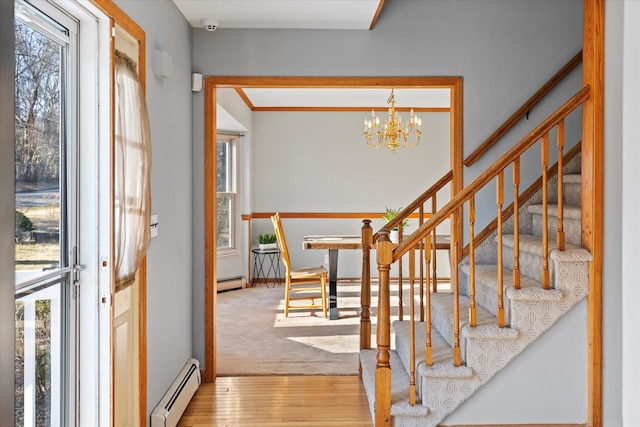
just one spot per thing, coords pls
(394, 132)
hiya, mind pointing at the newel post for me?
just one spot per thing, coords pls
(365, 286)
(383, 367)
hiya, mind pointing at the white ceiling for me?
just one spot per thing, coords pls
(300, 14)
(308, 14)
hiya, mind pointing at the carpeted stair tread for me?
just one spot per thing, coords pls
(487, 275)
(440, 350)
(399, 385)
(569, 211)
(531, 244)
(442, 314)
(534, 294)
(573, 178)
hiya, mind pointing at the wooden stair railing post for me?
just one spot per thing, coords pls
(499, 202)
(545, 213)
(365, 286)
(383, 336)
(434, 209)
(560, 143)
(472, 264)
(412, 328)
(457, 361)
(400, 294)
(421, 257)
(428, 353)
(516, 224)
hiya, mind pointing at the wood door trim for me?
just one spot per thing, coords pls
(454, 83)
(593, 200)
(120, 18)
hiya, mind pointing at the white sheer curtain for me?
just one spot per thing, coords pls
(132, 172)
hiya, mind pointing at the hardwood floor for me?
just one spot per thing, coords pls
(282, 401)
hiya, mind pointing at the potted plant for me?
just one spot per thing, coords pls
(267, 241)
(390, 214)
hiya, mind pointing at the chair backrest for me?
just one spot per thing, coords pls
(282, 242)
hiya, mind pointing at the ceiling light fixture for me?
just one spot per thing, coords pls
(393, 133)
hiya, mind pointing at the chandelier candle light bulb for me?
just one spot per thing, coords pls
(394, 133)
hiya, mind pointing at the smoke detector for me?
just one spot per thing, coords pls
(210, 24)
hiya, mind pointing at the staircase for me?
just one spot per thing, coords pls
(511, 286)
(487, 348)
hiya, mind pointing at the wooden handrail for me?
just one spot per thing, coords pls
(522, 111)
(457, 201)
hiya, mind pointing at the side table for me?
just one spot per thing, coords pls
(265, 262)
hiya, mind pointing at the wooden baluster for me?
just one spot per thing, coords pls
(365, 286)
(400, 294)
(383, 333)
(560, 236)
(421, 254)
(434, 209)
(499, 202)
(428, 353)
(472, 264)
(545, 208)
(412, 328)
(516, 224)
(456, 306)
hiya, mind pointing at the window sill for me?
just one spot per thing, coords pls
(228, 253)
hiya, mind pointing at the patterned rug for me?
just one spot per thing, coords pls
(254, 337)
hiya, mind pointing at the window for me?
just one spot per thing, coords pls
(226, 191)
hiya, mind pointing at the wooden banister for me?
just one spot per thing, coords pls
(457, 201)
(387, 253)
(522, 111)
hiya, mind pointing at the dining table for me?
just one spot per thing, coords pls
(334, 243)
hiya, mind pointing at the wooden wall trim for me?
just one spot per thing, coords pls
(377, 15)
(210, 246)
(333, 82)
(593, 199)
(323, 215)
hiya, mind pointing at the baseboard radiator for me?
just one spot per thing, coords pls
(231, 283)
(176, 399)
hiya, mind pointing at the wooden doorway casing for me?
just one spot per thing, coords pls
(212, 83)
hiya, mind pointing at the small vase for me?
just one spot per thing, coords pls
(393, 235)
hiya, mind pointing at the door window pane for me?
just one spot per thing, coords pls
(38, 95)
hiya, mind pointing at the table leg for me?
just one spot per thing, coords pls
(333, 284)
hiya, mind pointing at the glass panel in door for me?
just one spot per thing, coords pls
(42, 218)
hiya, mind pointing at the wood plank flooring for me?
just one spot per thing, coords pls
(282, 401)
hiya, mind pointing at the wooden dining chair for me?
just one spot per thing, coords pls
(308, 283)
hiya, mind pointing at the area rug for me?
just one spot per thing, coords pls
(254, 337)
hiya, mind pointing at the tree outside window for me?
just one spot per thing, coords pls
(226, 191)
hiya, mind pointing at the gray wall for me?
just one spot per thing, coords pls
(613, 203)
(7, 218)
(169, 258)
(631, 209)
(504, 50)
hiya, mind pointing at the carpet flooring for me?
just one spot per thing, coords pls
(254, 338)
